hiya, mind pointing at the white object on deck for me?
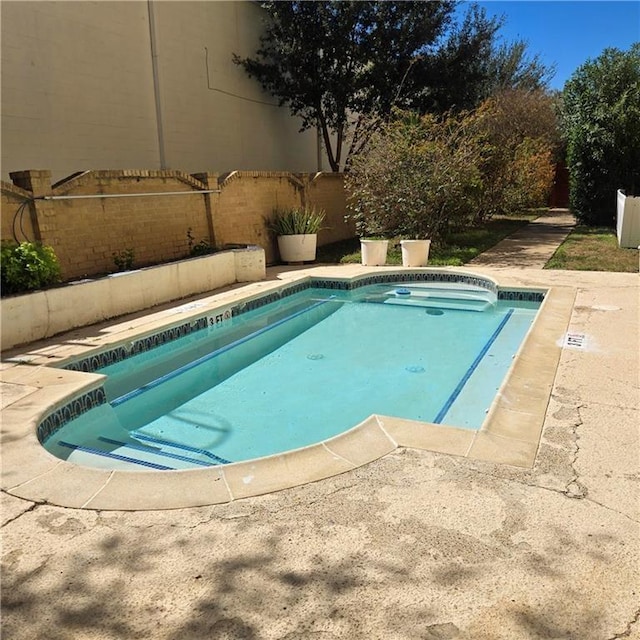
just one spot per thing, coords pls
(628, 221)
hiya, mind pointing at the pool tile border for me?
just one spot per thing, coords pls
(60, 482)
(70, 411)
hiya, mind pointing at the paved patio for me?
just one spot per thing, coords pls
(416, 544)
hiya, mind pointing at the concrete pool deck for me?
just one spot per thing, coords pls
(416, 544)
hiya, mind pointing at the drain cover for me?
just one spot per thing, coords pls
(435, 312)
(574, 340)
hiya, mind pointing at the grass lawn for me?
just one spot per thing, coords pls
(455, 250)
(593, 249)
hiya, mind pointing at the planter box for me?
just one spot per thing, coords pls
(628, 221)
(42, 314)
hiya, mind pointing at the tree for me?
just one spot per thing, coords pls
(470, 66)
(601, 124)
(342, 65)
(510, 67)
(329, 60)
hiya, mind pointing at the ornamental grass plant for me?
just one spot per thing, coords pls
(296, 221)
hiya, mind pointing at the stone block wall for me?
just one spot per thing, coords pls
(17, 214)
(90, 216)
(246, 198)
(326, 191)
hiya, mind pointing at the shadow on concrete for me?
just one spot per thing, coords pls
(281, 590)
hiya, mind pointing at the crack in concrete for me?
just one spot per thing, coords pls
(620, 513)
(27, 510)
(331, 493)
(232, 517)
(613, 405)
(627, 632)
(575, 489)
(563, 492)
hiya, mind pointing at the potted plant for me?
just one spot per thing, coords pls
(371, 227)
(373, 251)
(415, 252)
(416, 177)
(296, 230)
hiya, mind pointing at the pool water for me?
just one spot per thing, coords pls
(299, 371)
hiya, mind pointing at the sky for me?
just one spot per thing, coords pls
(568, 33)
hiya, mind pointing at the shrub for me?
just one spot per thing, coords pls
(520, 133)
(424, 176)
(27, 266)
(601, 123)
(201, 248)
(123, 260)
(417, 178)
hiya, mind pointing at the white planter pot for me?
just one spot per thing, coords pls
(298, 248)
(415, 253)
(374, 252)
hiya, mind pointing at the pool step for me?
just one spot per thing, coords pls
(167, 444)
(83, 454)
(442, 296)
(156, 454)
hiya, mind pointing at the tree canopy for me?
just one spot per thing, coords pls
(424, 176)
(601, 124)
(340, 62)
(471, 65)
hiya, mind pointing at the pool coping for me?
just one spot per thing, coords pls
(510, 435)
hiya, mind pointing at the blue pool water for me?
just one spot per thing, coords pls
(299, 371)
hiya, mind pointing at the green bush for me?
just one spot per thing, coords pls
(417, 178)
(196, 249)
(601, 123)
(27, 266)
(520, 137)
(427, 176)
(124, 259)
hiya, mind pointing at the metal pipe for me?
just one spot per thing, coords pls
(128, 195)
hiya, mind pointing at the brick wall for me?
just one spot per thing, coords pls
(245, 199)
(326, 191)
(86, 232)
(17, 213)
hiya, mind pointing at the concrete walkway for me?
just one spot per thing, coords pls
(416, 545)
(531, 246)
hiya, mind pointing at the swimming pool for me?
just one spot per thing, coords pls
(296, 368)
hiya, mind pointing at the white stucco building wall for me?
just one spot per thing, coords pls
(80, 89)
